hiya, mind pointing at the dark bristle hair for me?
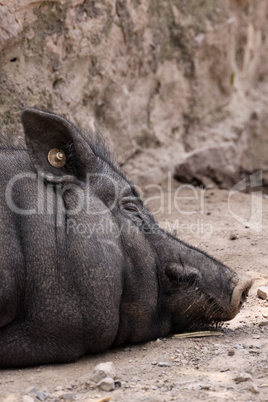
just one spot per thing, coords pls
(99, 146)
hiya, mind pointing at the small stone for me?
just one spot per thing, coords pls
(153, 363)
(254, 351)
(242, 377)
(256, 337)
(30, 390)
(231, 352)
(238, 346)
(45, 392)
(233, 236)
(103, 370)
(118, 384)
(68, 397)
(69, 387)
(41, 396)
(194, 387)
(263, 323)
(163, 364)
(106, 384)
(205, 387)
(158, 342)
(262, 292)
(27, 398)
(57, 394)
(59, 388)
(253, 388)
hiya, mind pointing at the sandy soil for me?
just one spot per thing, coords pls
(189, 369)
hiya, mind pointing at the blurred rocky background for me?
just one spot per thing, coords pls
(175, 85)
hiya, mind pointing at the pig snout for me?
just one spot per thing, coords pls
(240, 294)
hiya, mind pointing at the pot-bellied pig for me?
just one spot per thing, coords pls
(83, 264)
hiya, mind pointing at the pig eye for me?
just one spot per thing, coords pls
(131, 207)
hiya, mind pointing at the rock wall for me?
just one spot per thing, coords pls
(176, 85)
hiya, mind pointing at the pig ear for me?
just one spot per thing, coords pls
(56, 149)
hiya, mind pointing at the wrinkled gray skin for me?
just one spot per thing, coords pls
(68, 290)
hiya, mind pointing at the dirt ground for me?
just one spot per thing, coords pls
(232, 367)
